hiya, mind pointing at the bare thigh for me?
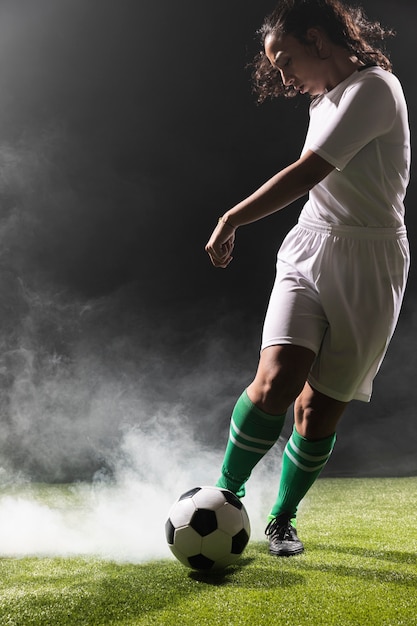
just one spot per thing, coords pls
(280, 377)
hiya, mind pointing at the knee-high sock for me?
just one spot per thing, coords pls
(252, 434)
(302, 462)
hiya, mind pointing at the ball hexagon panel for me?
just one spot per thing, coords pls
(216, 545)
(225, 561)
(182, 512)
(245, 519)
(209, 498)
(229, 518)
(187, 541)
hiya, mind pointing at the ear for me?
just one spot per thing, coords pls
(314, 36)
(317, 38)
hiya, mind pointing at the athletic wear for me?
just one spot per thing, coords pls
(252, 434)
(342, 271)
(282, 536)
(341, 276)
(338, 291)
(361, 128)
(302, 462)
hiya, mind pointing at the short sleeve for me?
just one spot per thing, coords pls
(367, 110)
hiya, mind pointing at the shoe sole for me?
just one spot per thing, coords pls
(286, 552)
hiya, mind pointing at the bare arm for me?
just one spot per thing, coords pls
(288, 185)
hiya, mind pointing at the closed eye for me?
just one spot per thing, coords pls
(282, 64)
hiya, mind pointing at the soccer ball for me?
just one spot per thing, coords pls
(207, 528)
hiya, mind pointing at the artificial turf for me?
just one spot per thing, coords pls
(359, 568)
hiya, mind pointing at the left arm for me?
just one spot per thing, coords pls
(285, 187)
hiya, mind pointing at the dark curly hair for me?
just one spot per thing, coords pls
(345, 26)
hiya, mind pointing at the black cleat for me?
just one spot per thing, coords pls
(283, 540)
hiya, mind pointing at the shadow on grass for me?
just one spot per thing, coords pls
(363, 570)
(219, 577)
(65, 592)
(393, 556)
(265, 577)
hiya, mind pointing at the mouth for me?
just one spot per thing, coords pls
(299, 88)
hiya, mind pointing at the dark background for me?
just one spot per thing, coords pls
(126, 129)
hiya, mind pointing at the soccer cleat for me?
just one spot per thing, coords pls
(282, 536)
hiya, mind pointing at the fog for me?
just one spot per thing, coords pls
(125, 130)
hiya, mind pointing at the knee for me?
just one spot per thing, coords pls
(281, 375)
(315, 415)
(274, 389)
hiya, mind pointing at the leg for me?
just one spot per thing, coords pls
(305, 455)
(259, 413)
(316, 415)
(281, 376)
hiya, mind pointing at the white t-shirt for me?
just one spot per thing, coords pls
(361, 127)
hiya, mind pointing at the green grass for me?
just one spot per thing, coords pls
(359, 568)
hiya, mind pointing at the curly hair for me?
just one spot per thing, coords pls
(345, 26)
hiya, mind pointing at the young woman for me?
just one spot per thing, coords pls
(341, 272)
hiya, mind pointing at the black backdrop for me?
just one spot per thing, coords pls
(126, 129)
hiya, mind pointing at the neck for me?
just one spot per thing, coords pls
(341, 66)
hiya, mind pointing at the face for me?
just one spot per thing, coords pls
(299, 64)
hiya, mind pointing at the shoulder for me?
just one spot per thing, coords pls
(371, 87)
(375, 78)
(379, 88)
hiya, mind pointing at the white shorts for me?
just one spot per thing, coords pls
(338, 291)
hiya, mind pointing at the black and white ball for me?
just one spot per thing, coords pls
(207, 528)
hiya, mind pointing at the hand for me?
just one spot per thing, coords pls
(221, 243)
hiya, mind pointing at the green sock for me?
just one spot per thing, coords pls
(252, 434)
(302, 462)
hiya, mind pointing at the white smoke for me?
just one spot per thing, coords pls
(97, 395)
(108, 393)
(123, 518)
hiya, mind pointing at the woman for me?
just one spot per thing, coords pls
(341, 272)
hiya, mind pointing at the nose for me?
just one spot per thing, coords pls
(287, 79)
